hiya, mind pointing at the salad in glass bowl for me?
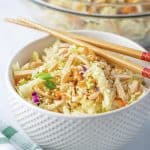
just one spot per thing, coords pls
(130, 18)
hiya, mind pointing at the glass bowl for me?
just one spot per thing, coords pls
(131, 20)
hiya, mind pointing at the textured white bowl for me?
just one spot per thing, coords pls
(108, 131)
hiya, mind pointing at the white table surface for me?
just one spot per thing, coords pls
(14, 37)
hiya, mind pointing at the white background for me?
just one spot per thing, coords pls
(12, 38)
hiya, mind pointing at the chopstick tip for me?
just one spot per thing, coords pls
(9, 19)
(6, 19)
(145, 56)
(146, 72)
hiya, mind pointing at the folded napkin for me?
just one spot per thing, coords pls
(12, 139)
(4, 143)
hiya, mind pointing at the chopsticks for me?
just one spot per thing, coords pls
(85, 42)
(108, 46)
(112, 47)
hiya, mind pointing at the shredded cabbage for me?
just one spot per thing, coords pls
(26, 90)
(74, 80)
(99, 75)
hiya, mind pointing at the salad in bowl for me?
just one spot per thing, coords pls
(71, 79)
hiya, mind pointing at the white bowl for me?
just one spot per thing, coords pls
(108, 131)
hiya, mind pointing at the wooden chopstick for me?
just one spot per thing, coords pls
(111, 46)
(105, 54)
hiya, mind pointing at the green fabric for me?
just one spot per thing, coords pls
(16, 138)
(9, 132)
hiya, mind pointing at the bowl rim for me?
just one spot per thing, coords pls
(55, 114)
(119, 3)
(95, 15)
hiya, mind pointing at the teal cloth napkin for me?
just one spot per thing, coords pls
(11, 137)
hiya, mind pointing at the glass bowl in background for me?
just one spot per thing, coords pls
(131, 20)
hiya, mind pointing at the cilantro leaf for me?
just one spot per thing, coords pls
(43, 76)
(50, 84)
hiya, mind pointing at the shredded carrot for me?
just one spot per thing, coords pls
(60, 95)
(128, 10)
(86, 51)
(121, 102)
(82, 84)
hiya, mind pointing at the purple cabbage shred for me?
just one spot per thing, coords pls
(35, 98)
(84, 68)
